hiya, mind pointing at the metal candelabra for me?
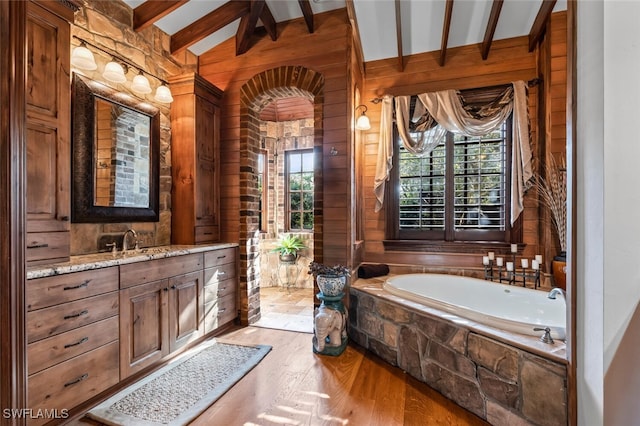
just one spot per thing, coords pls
(496, 269)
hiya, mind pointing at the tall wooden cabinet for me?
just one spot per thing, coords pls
(195, 137)
(48, 97)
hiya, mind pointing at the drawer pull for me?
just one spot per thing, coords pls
(166, 289)
(79, 314)
(222, 288)
(85, 376)
(79, 342)
(75, 287)
(65, 218)
(222, 257)
(42, 245)
(222, 310)
(222, 273)
(208, 233)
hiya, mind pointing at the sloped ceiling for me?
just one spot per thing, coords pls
(422, 25)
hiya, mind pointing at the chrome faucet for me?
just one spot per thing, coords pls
(555, 291)
(125, 245)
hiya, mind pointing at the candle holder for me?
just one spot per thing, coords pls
(511, 273)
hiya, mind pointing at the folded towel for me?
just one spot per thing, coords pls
(370, 271)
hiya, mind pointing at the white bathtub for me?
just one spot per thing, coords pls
(502, 306)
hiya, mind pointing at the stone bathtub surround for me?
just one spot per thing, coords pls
(504, 378)
(103, 260)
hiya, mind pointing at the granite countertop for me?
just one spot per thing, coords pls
(87, 262)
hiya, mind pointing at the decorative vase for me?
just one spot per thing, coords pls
(559, 266)
(330, 325)
(331, 285)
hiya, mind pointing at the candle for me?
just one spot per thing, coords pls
(535, 265)
(539, 259)
(492, 255)
(499, 261)
(509, 266)
(525, 263)
(485, 260)
(514, 248)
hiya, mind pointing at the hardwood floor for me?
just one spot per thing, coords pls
(293, 386)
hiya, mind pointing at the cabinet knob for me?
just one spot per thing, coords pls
(173, 287)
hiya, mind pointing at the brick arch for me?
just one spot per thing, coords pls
(255, 94)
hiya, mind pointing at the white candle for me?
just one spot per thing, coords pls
(525, 263)
(492, 255)
(485, 260)
(539, 259)
(514, 248)
(509, 266)
(499, 261)
(535, 265)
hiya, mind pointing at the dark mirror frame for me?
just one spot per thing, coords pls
(84, 210)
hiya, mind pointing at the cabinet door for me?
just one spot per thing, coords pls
(206, 204)
(144, 331)
(185, 309)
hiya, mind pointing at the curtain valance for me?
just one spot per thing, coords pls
(437, 113)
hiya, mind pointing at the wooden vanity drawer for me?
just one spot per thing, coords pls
(49, 291)
(57, 319)
(206, 234)
(47, 247)
(76, 380)
(153, 270)
(219, 257)
(219, 273)
(219, 312)
(219, 289)
(56, 349)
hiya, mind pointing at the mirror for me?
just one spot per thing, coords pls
(115, 163)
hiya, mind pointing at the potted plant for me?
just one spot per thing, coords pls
(288, 247)
(552, 188)
(331, 279)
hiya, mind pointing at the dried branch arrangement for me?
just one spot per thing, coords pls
(552, 188)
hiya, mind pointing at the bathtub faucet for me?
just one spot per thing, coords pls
(555, 291)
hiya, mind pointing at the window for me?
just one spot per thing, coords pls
(263, 182)
(458, 192)
(299, 199)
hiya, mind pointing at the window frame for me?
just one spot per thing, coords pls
(287, 191)
(448, 239)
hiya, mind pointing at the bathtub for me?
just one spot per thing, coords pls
(502, 306)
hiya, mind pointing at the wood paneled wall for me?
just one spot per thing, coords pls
(324, 51)
(508, 60)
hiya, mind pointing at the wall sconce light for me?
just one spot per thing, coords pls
(82, 58)
(114, 72)
(362, 123)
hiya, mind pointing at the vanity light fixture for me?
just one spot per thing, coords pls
(140, 84)
(114, 72)
(362, 123)
(82, 58)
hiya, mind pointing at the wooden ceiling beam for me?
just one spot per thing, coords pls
(399, 37)
(269, 22)
(540, 24)
(247, 26)
(496, 8)
(446, 26)
(208, 24)
(149, 12)
(307, 12)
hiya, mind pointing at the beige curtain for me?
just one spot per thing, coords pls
(448, 110)
(385, 150)
(427, 133)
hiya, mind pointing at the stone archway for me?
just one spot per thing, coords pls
(255, 94)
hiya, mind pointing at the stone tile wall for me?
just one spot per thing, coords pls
(500, 383)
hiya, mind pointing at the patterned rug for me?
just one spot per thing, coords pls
(180, 391)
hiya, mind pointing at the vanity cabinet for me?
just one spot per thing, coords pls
(220, 288)
(195, 136)
(72, 336)
(48, 109)
(161, 309)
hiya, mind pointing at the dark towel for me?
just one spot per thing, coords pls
(370, 271)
